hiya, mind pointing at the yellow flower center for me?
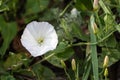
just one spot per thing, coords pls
(40, 40)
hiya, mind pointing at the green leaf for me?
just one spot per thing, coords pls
(4, 8)
(65, 26)
(61, 47)
(8, 31)
(27, 72)
(54, 60)
(62, 52)
(2, 70)
(87, 71)
(105, 8)
(30, 18)
(66, 54)
(118, 28)
(105, 34)
(113, 54)
(8, 5)
(35, 6)
(93, 49)
(111, 42)
(109, 22)
(83, 5)
(76, 30)
(43, 73)
(53, 14)
(7, 77)
(14, 61)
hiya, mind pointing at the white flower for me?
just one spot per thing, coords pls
(39, 38)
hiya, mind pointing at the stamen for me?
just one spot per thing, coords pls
(40, 40)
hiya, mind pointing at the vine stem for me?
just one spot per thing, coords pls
(44, 58)
(67, 74)
(61, 14)
(89, 43)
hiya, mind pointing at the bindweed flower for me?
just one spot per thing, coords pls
(39, 38)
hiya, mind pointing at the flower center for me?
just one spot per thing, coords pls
(40, 41)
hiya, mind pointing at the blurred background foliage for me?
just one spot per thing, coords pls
(71, 19)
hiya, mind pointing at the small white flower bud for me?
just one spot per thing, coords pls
(73, 64)
(106, 60)
(95, 5)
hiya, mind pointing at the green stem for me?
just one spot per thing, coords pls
(77, 72)
(67, 74)
(112, 5)
(45, 58)
(93, 43)
(98, 19)
(106, 78)
(62, 13)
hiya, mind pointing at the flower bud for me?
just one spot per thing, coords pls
(0, 2)
(95, 5)
(106, 60)
(106, 72)
(95, 28)
(73, 64)
(63, 64)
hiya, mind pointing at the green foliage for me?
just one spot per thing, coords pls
(118, 27)
(7, 77)
(8, 32)
(84, 5)
(38, 6)
(53, 14)
(6, 5)
(62, 52)
(42, 72)
(15, 61)
(111, 42)
(87, 70)
(66, 54)
(80, 37)
(77, 32)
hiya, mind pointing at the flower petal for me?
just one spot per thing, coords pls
(36, 30)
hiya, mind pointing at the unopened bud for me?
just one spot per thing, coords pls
(106, 72)
(73, 64)
(106, 60)
(0, 2)
(63, 64)
(95, 28)
(95, 5)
